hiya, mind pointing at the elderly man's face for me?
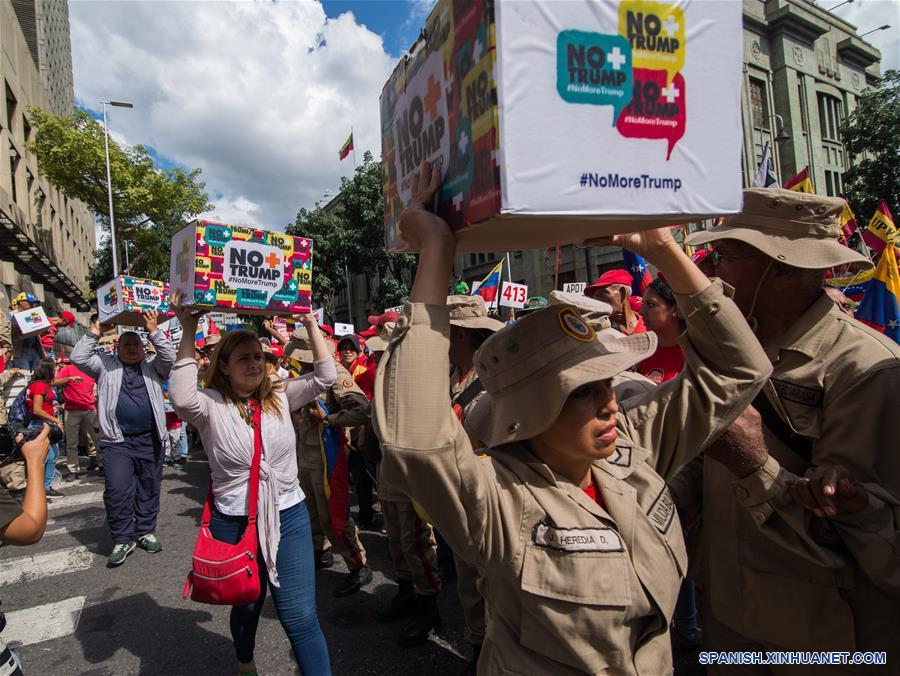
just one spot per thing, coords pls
(741, 266)
(613, 294)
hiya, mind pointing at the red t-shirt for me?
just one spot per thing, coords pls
(173, 422)
(664, 364)
(78, 396)
(363, 375)
(592, 490)
(36, 388)
(49, 337)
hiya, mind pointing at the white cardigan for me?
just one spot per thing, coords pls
(228, 442)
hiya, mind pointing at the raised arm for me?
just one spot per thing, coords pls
(165, 351)
(190, 404)
(426, 451)
(83, 354)
(301, 391)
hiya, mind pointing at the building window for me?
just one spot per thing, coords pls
(758, 103)
(473, 259)
(833, 185)
(829, 117)
(10, 109)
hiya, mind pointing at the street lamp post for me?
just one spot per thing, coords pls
(112, 219)
(880, 28)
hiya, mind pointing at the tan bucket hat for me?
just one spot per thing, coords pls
(469, 312)
(380, 341)
(299, 349)
(798, 229)
(594, 312)
(530, 368)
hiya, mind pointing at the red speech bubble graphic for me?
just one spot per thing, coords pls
(657, 110)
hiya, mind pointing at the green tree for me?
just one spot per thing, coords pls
(871, 136)
(350, 236)
(150, 204)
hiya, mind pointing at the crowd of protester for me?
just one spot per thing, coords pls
(607, 477)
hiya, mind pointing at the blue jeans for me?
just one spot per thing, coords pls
(27, 360)
(182, 440)
(52, 455)
(295, 599)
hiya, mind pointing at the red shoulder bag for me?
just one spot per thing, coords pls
(224, 574)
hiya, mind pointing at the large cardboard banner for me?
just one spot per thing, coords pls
(242, 269)
(555, 122)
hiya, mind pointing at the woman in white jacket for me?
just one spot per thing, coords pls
(221, 413)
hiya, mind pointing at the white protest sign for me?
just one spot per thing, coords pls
(574, 287)
(397, 308)
(254, 269)
(343, 329)
(319, 314)
(513, 295)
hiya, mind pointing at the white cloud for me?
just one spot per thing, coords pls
(259, 95)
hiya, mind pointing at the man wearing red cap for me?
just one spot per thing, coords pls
(614, 287)
(65, 318)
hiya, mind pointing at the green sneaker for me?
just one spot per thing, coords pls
(119, 552)
(150, 542)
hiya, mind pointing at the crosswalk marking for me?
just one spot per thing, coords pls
(42, 623)
(75, 500)
(74, 524)
(27, 568)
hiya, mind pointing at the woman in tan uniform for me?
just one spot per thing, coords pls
(568, 519)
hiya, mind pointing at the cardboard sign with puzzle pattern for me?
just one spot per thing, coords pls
(31, 322)
(241, 269)
(122, 300)
(556, 122)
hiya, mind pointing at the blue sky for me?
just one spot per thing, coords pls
(397, 21)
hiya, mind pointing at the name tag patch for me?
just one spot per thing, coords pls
(662, 511)
(798, 394)
(576, 539)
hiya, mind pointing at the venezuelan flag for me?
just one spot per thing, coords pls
(801, 182)
(490, 285)
(346, 148)
(853, 286)
(880, 307)
(640, 275)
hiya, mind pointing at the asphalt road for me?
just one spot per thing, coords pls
(69, 614)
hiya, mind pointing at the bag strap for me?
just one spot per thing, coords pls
(800, 445)
(467, 396)
(253, 492)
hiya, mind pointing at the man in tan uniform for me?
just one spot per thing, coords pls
(343, 406)
(569, 520)
(412, 546)
(777, 576)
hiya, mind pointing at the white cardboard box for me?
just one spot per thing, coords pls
(32, 322)
(559, 121)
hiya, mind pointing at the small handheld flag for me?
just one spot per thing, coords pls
(765, 175)
(490, 285)
(347, 147)
(880, 307)
(637, 268)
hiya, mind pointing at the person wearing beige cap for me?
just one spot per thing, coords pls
(568, 518)
(820, 571)
(341, 407)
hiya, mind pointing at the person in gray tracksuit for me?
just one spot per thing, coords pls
(132, 426)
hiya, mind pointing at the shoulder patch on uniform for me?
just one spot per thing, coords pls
(576, 539)
(347, 384)
(622, 456)
(662, 511)
(574, 326)
(809, 396)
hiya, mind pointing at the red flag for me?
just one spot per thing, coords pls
(801, 182)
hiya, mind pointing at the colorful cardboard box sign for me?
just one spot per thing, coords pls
(122, 300)
(31, 322)
(555, 122)
(241, 269)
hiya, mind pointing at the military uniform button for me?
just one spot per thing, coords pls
(759, 517)
(513, 428)
(714, 307)
(742, 492)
